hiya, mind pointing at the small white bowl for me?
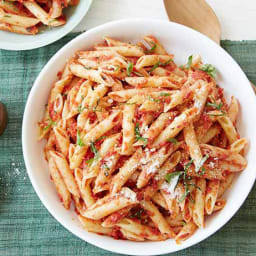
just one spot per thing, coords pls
(18, 42)
(182, 42)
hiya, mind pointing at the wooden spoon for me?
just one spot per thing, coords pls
(196, 14)
(3, 118)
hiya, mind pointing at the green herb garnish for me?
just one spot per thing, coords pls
(79, 141)
(155, 66)
(79, 108)
(222, 114)
(159, 63)
(215, 105)
(138, 136)
(129, 68)
(153, 48)
(154, 100)
(137, 214)
(51, 122)
(171, 175)
(183, 223)
(209, 69)
(174, 178)
(190, 58)
(94, 149)
(90, 161)
(165, 94)
(202, 172)
(172, 140)
(100, 138)
(166, 63)
(187, 191)
(189, 63)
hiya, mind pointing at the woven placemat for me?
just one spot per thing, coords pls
(26, 227)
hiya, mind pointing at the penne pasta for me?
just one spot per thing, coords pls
(59, 184)
(187, 231)
(172, 82)
(143, 149)
(158, 218)
(198, 212)
(212, 191)
(125, 198)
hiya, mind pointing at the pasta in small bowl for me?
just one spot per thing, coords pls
(31, 24)
(141, 144)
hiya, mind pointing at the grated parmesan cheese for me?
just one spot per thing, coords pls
(153, 168)
(127, 193)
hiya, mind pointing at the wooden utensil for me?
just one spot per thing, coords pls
(196, 14)
(3, 118)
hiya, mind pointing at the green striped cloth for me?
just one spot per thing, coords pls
(26, 227)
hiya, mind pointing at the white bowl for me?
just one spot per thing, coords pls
(15, 42)
(181, 41)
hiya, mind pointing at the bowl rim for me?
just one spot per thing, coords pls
(68, 27)
(104, 245)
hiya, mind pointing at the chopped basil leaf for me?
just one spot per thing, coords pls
(202, 172)
(79, 140)
(215, 105)
(153, 48)
(187, 191)
(138, 136)
(129, 68)
(171, 175)
(172, 140)
(166, 63)
(93, 149)
(222, 114)
(152, 99)
(190, 58)
(209, 69)
(159, 63)
(79, 108)
(51, 122)
(100, 138)
(137, 214)
(194, 185)
(155, 66)
(164, 94)
(106, 173)
(88, 68)
(90, 161)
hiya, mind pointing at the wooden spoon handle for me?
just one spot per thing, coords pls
(3, 118)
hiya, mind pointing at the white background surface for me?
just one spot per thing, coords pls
(237, 17)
